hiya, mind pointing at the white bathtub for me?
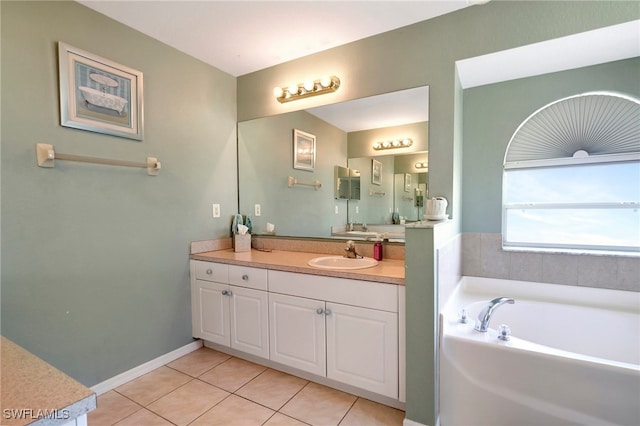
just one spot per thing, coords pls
(104, 100)
(573, 358)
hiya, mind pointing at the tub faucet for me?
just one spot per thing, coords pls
(485, 314)
(350, 251)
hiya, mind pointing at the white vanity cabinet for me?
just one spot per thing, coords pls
(346, 330)
(343, 331)
(230, 306)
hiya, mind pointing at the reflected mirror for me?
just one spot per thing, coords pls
(345, 134)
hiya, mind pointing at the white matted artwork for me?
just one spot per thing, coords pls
(304, 150)
(99, 95)
(376, 172)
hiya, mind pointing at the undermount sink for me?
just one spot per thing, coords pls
(342, 263)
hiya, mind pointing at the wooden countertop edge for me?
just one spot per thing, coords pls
(388, 271)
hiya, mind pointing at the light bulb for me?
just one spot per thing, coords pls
(377, 145)
(325, 81)
(385, 144)
(293, 89)
(309, 85)
(406, 142)
(396, 143)
(278, 92)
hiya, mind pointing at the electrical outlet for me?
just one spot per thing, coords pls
(256, 210)
(216, 210)
(336, 209)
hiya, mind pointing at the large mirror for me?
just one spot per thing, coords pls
(301, 202)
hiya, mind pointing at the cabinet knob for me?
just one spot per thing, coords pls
(227, 293)
(209, 271)
(327, 311)
(245, 277)
(319, 311)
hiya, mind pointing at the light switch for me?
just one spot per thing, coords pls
(336, 209)
(256, 210)
(216, 210)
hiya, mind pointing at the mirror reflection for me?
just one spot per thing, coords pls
(391, 188)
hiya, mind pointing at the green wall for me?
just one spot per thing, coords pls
(492, 114)
(95, 258)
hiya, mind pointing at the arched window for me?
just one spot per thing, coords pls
(572, 177)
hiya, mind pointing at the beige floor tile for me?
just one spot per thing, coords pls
(188, 402)
(319, 405)
(279, 419)
(369, 413)
(154, 385)
(232, 374)
(235, 411)
(272, 388)
(197, 362)
(143, 417)
(112, 407)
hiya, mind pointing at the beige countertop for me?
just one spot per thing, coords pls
(387, 271)
(32, 389)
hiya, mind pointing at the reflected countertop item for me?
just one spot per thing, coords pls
(390, 271)
(32, 389)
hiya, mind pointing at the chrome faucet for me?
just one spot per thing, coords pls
(485, 314)
(350, 251)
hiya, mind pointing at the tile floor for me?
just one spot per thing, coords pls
(207, 387)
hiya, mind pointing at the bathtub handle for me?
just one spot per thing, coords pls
(504, 332)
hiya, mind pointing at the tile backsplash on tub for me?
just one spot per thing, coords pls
(483, 256)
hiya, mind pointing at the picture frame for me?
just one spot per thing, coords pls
(407, 182)
(376, 172)
(304, 150)
(99, 95)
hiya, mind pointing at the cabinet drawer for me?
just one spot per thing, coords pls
(244, 276)
(365, 294)
(208, 271)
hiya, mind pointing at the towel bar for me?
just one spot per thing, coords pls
(45, 156)
(292, 182)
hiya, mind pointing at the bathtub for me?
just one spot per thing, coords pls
(573, 357)
(104, 100)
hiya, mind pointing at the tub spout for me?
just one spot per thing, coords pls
(485, 314)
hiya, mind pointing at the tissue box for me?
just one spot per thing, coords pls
(241, 242)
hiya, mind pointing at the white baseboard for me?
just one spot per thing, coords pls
(145, 368)
(407, 422)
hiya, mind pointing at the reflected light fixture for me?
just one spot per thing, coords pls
(395, 143)
(423, 165)
(326, 84)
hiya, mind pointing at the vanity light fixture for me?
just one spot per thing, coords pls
(396, 143)
(424, 165)
(326, 84)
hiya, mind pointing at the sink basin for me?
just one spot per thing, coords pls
(342, 263)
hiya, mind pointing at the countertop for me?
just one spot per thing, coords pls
(389, 271)
(32, 389)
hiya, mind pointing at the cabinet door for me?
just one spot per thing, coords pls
(210, 315)
(297, 333)
(362, 348)
(249, 320)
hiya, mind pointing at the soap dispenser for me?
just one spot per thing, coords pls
(377, 250)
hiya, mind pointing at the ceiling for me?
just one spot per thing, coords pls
(239, 37)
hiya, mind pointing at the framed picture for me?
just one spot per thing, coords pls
(407, 182)
(304, 150)
(99, 95)
(376, 172)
